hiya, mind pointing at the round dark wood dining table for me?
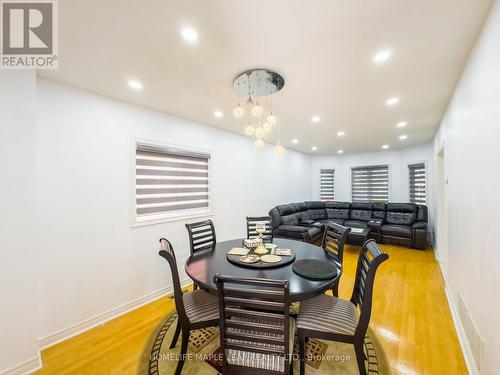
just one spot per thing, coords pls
(201, 268)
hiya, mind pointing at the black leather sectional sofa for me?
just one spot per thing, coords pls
(394, 223)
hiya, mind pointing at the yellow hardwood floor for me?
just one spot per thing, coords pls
(410, 316)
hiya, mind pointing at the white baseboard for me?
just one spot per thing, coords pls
(76, 329)
(26, 367)
(462, 338)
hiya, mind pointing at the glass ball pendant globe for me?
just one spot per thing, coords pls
(260, 132)
(249, 130)
(272, 119)
(279, 150)
(239, 112)
(259, 143)
(267, 127)
(257, 110)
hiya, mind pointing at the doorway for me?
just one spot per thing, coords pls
(441, 225)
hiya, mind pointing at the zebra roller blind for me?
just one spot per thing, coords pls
(327, 184)
(370, 184)
(417, 183)
(170, 181)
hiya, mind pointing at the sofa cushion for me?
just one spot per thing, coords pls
(378, 207)
(361, 206)
(315, 205)
(318, 214)
(305, 215)
(396, 230)
(355, 224)
(337, 205)
(378, 215)
(287, 209)
(292, 219)
(402, 207)
(360, 215)
(401, 218)
(335, 213)
(301, 206)
(378, 211)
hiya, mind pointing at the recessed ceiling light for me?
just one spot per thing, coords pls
(295, 141)
(401, 124)
(403, 137)
(316, 118)
(392, 101)
(314, 148)
(340, 151)
(340, 134)
(382, 56)
(385, 147)
(136, 85)
(218, 114)
(189, 34)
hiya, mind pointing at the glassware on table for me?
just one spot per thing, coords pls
(260, 228)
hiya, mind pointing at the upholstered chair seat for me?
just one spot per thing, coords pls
(328, 314)
(200, 306)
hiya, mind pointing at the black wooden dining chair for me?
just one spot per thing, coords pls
(195, 310)
(334, 240)
(252, 221)
(256, 331)
(201, 237)
(335, 319)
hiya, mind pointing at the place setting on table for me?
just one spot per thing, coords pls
(255, 253)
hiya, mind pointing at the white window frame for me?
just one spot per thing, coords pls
(426, 164)
(389, 178)
(319, 182)
(154, 219)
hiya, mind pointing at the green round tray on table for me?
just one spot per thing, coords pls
(315, 269)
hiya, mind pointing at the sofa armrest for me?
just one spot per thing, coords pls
(419, 230)
(291, 228)
(301, 233)
(419, 225)
(306, 223)
(375, 225)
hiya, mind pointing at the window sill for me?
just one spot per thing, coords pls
(146, 221)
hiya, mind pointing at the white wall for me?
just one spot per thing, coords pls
(18, 245)
(398, 171)
(470, 133)
(92, 260)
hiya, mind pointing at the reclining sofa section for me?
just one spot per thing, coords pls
(392, 223)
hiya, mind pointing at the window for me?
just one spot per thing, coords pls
(417, 183)
(170, 182)
(327, 184)
(370, 184)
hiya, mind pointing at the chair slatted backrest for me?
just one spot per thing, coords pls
(370, 258)
(254, 312)
(201, 236)
(334, 240)
(252, 223)
(167, 252)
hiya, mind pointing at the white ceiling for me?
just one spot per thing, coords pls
(323, 48)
